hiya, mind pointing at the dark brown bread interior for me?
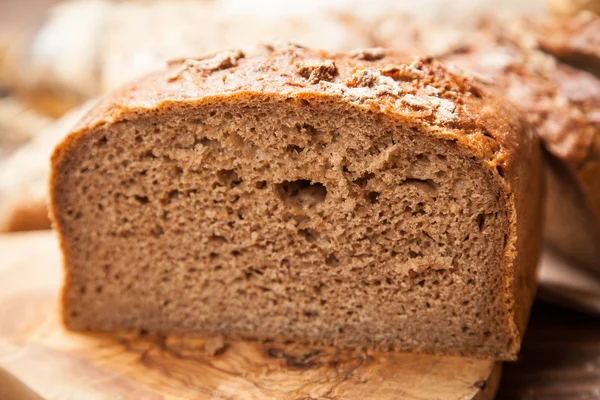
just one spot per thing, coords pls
(300, 195)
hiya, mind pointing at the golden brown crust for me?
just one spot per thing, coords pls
(420, 93)
(444, 101)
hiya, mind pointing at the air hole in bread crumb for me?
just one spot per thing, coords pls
(373, 197)
(102, 142)
(318, 289)
(261, 184)
(294, 149)
(309, 234)
(480, 221)
(363, 180)
(228, 177)
(422, 158)
(425, 184)
(83, 289)
(142, 199)
(415, 254)
(302, 192)
(99, 289)
(306, 128)
(217, 240)
(149, 154)
(332, 260)
(172, 195)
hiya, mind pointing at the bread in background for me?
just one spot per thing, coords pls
(24, 177)
(573, 7)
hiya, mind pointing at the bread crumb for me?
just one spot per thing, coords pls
(215, 346)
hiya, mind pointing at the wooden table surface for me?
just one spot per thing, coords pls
(560, 358)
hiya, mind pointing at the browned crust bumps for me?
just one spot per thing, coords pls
(420, 93)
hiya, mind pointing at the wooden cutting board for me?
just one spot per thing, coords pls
(38, 357)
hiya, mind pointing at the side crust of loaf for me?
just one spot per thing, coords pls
(321, 170)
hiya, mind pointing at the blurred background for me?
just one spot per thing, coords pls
(57, 57)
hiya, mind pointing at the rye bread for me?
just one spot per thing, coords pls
(291, 194)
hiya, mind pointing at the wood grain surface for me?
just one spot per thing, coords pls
(560, 358)
(40, 358)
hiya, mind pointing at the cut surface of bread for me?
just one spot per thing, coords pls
(291, 194)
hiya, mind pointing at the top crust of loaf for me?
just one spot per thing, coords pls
(418, 93)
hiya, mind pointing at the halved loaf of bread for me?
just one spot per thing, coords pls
(291, 194)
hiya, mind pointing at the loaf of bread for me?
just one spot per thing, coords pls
(18, 123)
(24, 176)
(291, 194)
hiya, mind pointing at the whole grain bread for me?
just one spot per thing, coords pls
(292, 194)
